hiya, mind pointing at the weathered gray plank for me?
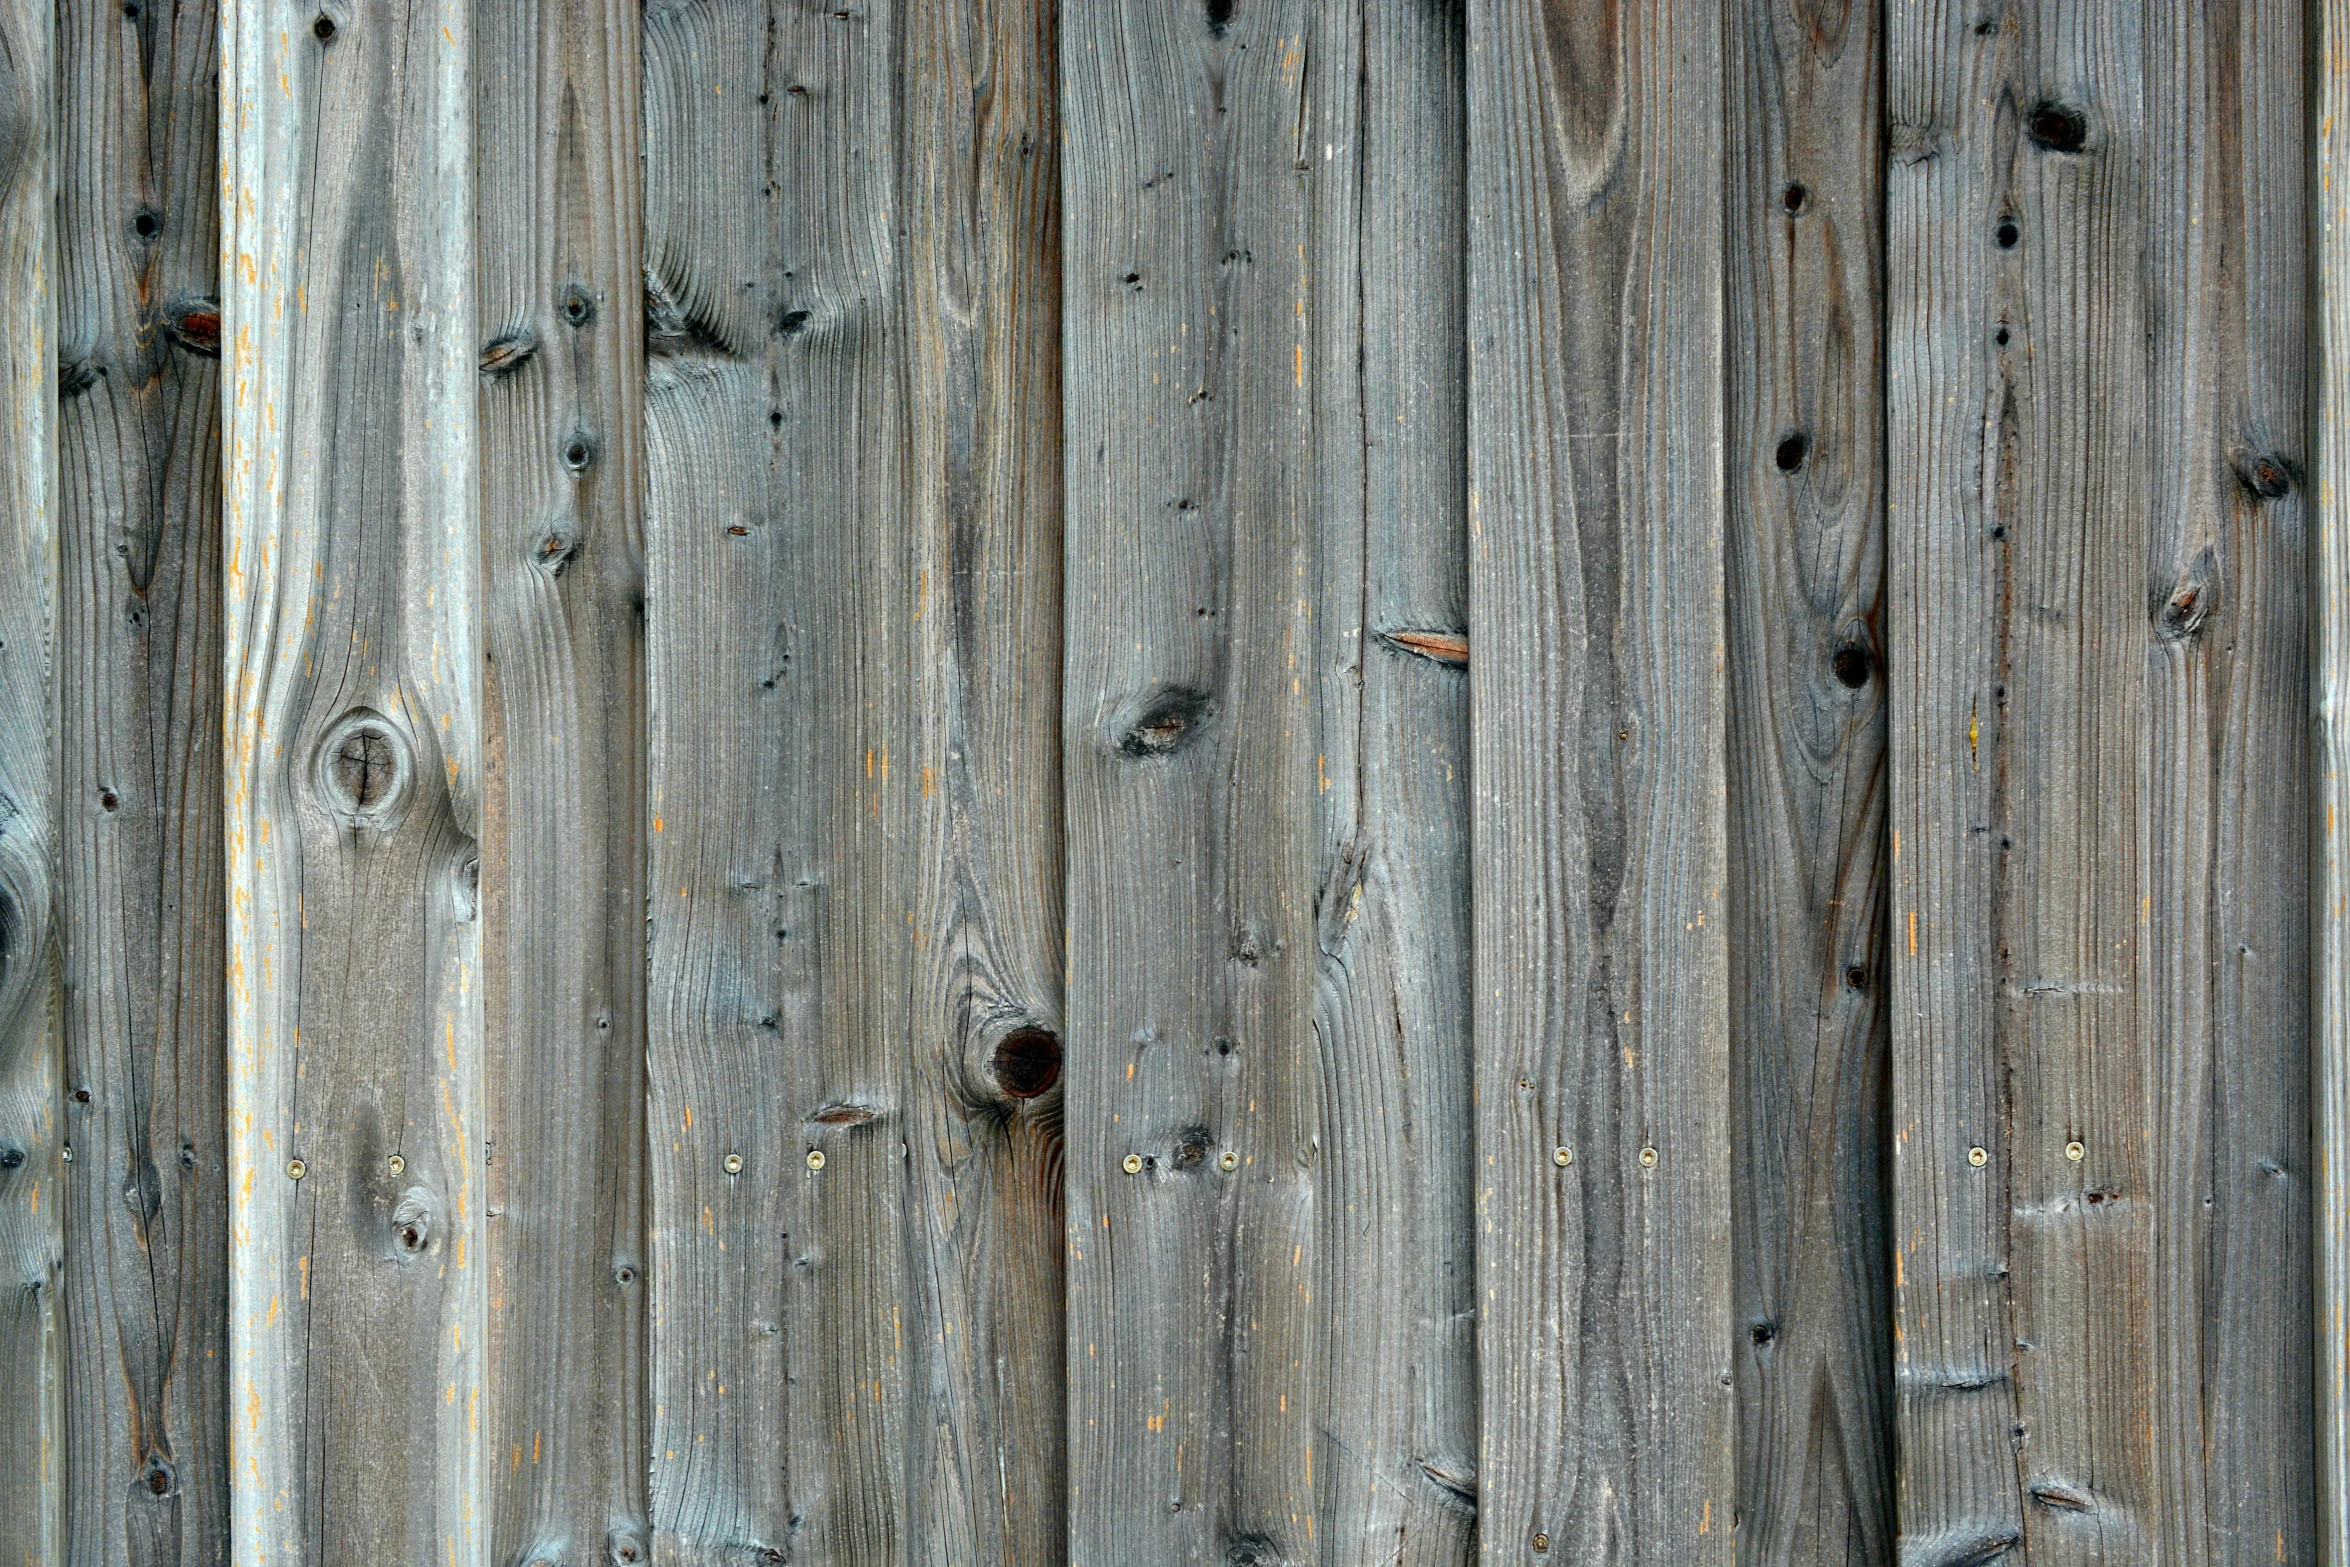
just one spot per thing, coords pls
(1805, 568)
(853, 605)
(2330, 694)
(2018, 403)
(560, 320)
(2227, 980)
(32, 1437)
(139, 751)
(357, 1290)
(1266, 754)
(1596, 528)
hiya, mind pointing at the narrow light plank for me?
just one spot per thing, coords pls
(32, 1437)
(1596, 625)
(139, 734)
(560, 329)
(1806, 574)
(2330, 692)
(853, 608)
(353, 778)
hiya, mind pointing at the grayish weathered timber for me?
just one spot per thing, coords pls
(139, 752)
(2226, 980)
(353, 782)
(1596, 615)
(2329, 901)
(1805, 569)
(1265, 742)
(559, 319)
(852, 644)
(32, 1431)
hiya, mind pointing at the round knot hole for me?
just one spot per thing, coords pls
(1027, 1062)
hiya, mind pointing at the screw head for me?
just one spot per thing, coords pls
(734, 1164)
(296, 1169)
(1977, 1157)
(1562, 1156)
(1648, 1158)
(2075, 1152)
(1134, 1164)
(1542, 1542)
(1228, 1161)
(815, 1159)
(397, 1165)
(66, 1153)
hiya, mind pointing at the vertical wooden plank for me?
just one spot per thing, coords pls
(853, 605)
(1596, 587)
(140, 892)
(987, 1462)
(1396, 1464)
(2330, 693)
(2227, 981)
(2022, 814)
(357, 1276)
(560, 325)
(1806, 567)
(32, 1438)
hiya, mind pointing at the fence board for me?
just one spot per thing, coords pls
(2018, 391)
(558, 106)
(1595, 473)
(2228, 999)
(32, 1439)
(1397, 1461)
(2330, 690)
(357, 1305)
(139, 734)
(853, 627)
(1805, 570)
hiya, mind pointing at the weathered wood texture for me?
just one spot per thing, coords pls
(1804, 448)
(357, 1269)
(1596, 482)
(2094, 435)
(853, 605)
(32, 1374)
(559, 316)
(2329, 902)
(139, 733)
(1265, 726)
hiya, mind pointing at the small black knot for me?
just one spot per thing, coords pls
(625, 1547)
(158, 1476)
(2007, 234)
(323, 29)
(187, 1156)
(1852, 665)
(194, 324)
(1762, 1333)
(109, 801)
(148, 223)
(506, 353)
(1191, 1146)
(1133, 280)
(792, 323)
(76, 376)
(2265, 474)
(1793, 447)
(11, 1158)
(1856, 978)
(578, 308)
(579, 452)
(1219, 16)
(624, 1275)
(1170, 722)
(81, 1096)
(1027, 1062)
(2056, 127)
(1252, 1550)
(1795, 197)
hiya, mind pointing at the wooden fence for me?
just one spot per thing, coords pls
(1173, 781)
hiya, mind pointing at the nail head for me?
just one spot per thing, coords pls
(397, 1165)
(734, 1164)
(1562, 1157)
(1977, 1157)
(1648, 1158)
(1228, 1161)
(2075, 1152)
(296, 1169)
(815, 1159)
(1134, 1164)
